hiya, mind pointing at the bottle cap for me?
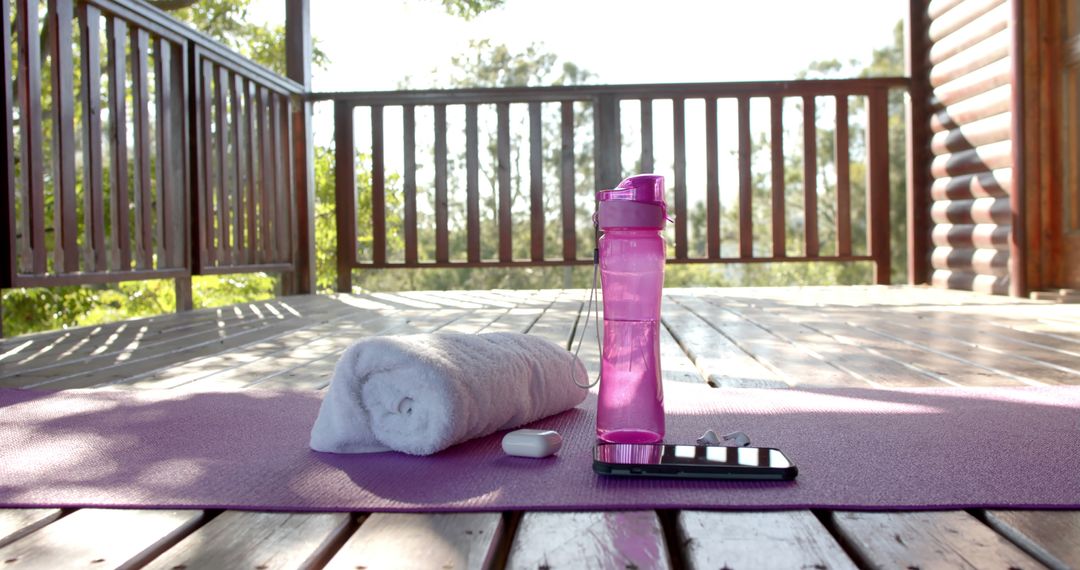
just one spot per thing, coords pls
(648, 188)
(636, 203)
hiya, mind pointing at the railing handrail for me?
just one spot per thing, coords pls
(159, 21)
(606, 155)
(792, 88)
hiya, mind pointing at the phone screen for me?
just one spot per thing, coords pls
(692, 461)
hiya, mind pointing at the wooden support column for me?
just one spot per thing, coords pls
(1017, 237)
(344, 194)
(298, 49)
(878, 184)
(8, 256)
(916, 65)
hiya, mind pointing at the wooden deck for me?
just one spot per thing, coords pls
(839, 336)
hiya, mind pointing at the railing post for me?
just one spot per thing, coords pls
(918, 144)
(7, 165)
(608, 145)
(298, 48)
(878, 184)
(345, 194)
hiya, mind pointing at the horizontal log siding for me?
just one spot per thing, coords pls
(971, 144)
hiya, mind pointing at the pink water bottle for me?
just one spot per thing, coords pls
(632, 252)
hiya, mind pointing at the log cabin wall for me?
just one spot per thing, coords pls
(970, 49)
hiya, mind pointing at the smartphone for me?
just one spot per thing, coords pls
(692, 462)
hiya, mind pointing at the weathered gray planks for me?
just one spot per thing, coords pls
(17, 523)
(771, 539)
(617, 539)
(719, 359)
(724, 330)
(1051, 536)
(928, 539)
(798, 363)
(405, 541)
(267, 541)
(101, 538)
(675, 365)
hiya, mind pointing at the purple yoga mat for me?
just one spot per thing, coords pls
(855, 448)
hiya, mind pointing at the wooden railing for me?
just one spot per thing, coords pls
(607, 135)
(137, 148)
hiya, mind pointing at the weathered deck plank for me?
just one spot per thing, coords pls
(17, 523)
(928, 539)
(945, 369)
(875, 336)
(798, 363)
(771, 539)
(268, 541)
(1051, 536)
(616, 539)
(717, 357)
(871, 367)
(994, 350)
(102, 538)
(421, 541)
(1005, 366)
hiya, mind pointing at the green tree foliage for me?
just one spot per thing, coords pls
(227, 22)
(469, 9)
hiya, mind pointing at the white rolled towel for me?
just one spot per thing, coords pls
(422, 393)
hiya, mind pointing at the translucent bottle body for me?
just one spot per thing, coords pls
(631, 401)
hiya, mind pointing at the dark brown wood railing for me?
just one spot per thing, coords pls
(137, 148)
(607, 149)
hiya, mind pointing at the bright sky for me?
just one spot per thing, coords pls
(375, 44)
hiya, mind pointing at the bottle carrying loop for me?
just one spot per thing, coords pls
(588, 311)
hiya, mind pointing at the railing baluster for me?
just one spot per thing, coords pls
(236, 167)
(281, 193)
(712, 180)
(472, 182)
(408, 113)
(810, 175)
(878, 184)
(30, 108)
(9, 254)
(63, 97)
(378, 188)
(163, 106)
(843, 179)
(254, 235)
(442, 235)
(506, 253)
(345, 194)
(288, 194)
(746, 227)
(566, 169)
(646, 136)
(607, 145)
(269, 187)
(776, 144)
(118, 174)
(225, 208)
(536, 183)
(144, 236)
(678, 108)
(30, 135)
(89, 33)
(205, 199)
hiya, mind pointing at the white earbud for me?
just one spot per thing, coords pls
(738, 438)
